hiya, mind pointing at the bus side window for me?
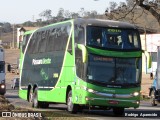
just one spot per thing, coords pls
(61, 39)
(79, 64)
(37, 39)
(79, 34)
(50, 41)
(32, 45)
(42, 42)
(65, 31)
(58, 37)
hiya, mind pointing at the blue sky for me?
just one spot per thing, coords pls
(19, 11)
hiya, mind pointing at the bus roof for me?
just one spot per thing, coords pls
(93, 22)
(105, 23)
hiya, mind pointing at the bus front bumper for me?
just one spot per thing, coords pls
(109, 102)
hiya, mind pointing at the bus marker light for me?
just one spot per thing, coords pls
(88, 98)
(136, 102)
(135, 94)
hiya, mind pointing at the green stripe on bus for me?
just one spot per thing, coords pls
(114, 53)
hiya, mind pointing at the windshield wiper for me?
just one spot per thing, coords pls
(97, 82)
(131, 84)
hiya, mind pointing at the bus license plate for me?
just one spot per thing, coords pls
(113, 102)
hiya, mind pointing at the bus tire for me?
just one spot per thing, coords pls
(118, 111)
(153, 102)
(71, 107)
(35, 103)
(30, 96)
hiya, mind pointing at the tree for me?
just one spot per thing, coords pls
(92, 14)
(74, 15)
(28, 24)
(113, 5)
(46, 14)
(60, 14)
(139, 12)
(67, 14)
(6, 27)
(153, 6)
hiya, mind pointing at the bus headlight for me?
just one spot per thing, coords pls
(2, 86)
(88, 89)
(135, 94)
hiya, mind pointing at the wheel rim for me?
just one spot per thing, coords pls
(69, 103)
(152, 98)
(35, 101)
(30, 96)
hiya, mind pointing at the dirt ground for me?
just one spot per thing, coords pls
(11, 56)
(146, 84)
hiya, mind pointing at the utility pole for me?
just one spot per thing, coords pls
(13, 35)
(0, 32)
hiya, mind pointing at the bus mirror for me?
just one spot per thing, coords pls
(9, 67)
(84, 52)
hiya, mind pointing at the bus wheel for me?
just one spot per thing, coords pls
(30, 96)
(118, 111)
(72, 108)
(35, 99)
(153, 103)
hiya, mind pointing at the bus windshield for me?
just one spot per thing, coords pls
(114, 71)
(113, 38)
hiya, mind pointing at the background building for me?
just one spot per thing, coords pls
(20, 32)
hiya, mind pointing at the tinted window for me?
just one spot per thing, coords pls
(79, 64)
(79, 34)
(50, 39)
(32, 48)
(113, 38)
(117, 71)
(58, 37)
(25, 40)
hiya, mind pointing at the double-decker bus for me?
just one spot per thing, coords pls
(84, 63)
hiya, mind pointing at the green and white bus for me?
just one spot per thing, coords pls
(84, 63)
